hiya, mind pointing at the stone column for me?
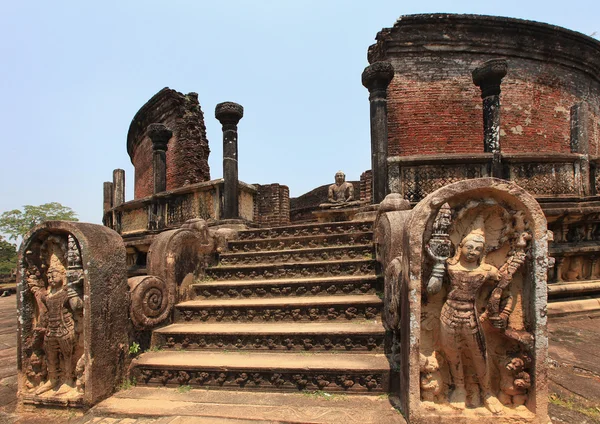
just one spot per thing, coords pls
(376, 78)
(118, 187)
(160, 135)
(229, 114)
(580, 143)
(108, 196)
(488, 78)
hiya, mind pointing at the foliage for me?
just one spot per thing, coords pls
(127, 384)
(134, 348)
(8, 256)
(184, 389)
(17, 223)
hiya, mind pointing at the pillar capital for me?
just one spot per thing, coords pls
(160, 136)
(229, 113)
(488, 76)
(378, 75)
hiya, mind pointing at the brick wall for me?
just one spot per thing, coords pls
(366, 186)
(434, 107)
(188, 151)
(272, 205)
(437, 116)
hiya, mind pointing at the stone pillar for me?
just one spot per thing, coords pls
(108, 196)
(229, 114)
(488, 78)
(580, 143)
(376, 78)
(118, 187)
(160, 135)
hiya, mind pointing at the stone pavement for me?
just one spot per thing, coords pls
(574, 381)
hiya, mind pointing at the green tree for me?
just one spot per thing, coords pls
(16, 223)
(8, 256)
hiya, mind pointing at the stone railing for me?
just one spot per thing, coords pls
(170, 209)
(543, 175)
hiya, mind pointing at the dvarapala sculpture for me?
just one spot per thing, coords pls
(72, 302)
(58, 297)
(472, 315)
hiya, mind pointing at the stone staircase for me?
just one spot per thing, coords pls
(286, 309)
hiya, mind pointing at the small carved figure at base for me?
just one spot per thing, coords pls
(431, 378)
(514, 383)
(36, 372)
(341, 194)
(80, 372)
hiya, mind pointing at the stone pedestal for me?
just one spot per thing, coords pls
(465, 294)
(73, 321)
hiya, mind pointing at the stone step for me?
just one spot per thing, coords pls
(201, 406)
(311, 229)
(339, 372)
(365, 284)
(355, 336)
(365, 251)
(295, 270)
(301, 242)
(314, 308)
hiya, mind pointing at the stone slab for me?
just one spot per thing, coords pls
(268, 361)
(253, 407)
(283, 302)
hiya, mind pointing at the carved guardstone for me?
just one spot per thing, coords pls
(470, 321)
(72, 305)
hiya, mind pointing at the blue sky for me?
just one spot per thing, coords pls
(73, 74)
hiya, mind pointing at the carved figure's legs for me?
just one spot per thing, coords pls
(52, 349)
(451, 347)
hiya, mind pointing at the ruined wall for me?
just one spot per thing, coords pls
(272, 205)
(366, 186)
(187, 154)
(434, 107)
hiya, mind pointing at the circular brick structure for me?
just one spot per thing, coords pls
(187, 154)
(434, 107)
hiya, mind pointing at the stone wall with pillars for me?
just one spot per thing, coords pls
(188, 151)
(434, 108)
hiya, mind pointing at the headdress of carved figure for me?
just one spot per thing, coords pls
(476, 233)
(56, 265)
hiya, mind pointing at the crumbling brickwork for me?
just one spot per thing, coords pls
(187, 154)
(272, 205)
(366, 183)
(434, 107)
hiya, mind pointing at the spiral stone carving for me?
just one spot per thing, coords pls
(151, 301)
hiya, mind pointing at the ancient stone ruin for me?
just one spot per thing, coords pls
(430, 279)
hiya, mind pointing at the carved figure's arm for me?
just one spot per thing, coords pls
(330, 196)
(350, 193)
(75, 301)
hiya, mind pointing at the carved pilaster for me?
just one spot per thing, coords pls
(488, 78)
(580, 118)
(376, 79)
(160, 135)
(229, 114)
